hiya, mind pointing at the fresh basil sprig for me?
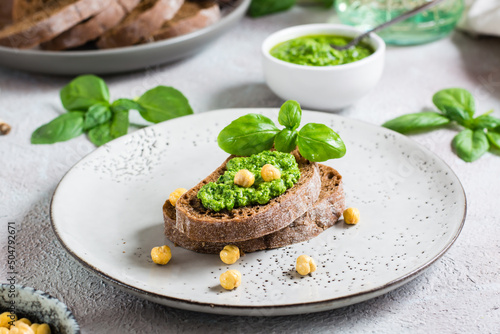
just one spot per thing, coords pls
(86, 98)
(254, 133)
(455, 105)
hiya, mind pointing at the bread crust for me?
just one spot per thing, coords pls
(45, 25)
(140, 24)
(252, 222)
(324, 214)
(191, 16)
(93, 28)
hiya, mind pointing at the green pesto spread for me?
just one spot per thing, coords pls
(224, 194)
(316, 51)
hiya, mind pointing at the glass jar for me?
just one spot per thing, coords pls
(430, 25)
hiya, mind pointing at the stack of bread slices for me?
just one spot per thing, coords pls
(312, 205)
(68, 24)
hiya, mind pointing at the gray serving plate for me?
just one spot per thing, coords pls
(121, 59)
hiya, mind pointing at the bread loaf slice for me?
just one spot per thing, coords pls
(25, 8)
(6, 12)
(324, 214)
(191, 16)
(57, 16)
(250, 222)
(141, 23)
(92, 28)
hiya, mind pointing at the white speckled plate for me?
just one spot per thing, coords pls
(123, 59)
(107, 213)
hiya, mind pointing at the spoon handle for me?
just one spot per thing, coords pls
(397, 19)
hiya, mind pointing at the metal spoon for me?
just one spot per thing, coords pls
(397, 19)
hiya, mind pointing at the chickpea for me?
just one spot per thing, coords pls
(43, 329)
(305, 265)
(161, 255)
(270, 173)
(21, 328)
(26, 321)
(351, 216)
(6, 319)
(230, 254)
(175, 195)
(34, 327)
(244, 178)
(230, 279)
(4, 330)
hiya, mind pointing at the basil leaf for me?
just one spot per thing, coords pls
(494, 138)
(265, 7)
(100, 134)
(456, 103)
(290, 114)
(470, 145)
(485, 122)
(96, 115)
(62, 128)
(324, 3)
(119, 124)
(317, 142)
(328, 3)
(106, 132)
(162, 103)
(83, 92)
(247, 135)
(285, 140)
(126, 105)
(418, 121)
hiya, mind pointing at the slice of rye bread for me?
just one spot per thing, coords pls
(191, 16)
(324, 214)
(250, 222)
(93, 27)
(6, 12)
(56, 17)
(25, 8)
(141, 23)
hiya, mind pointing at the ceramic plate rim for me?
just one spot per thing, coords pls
(213, 307)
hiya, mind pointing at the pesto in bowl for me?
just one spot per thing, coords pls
(315, 50)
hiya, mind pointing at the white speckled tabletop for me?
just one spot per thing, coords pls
(460, 293)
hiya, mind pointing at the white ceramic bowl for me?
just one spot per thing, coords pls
(322, 87)
(39, 307)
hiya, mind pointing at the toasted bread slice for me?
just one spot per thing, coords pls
(250, 222)
(141, 23)
(324, 214)
(56, 17)
(191, 16)
(92, 28)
